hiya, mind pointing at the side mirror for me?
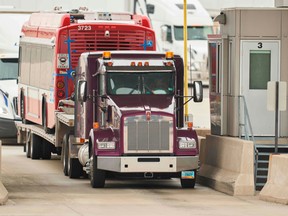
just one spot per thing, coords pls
(82, 91)
(164, 30)
(150, 8)
(197, 91)
(166, 34)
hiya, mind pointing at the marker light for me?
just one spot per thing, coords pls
(146, 64)
(80, 140)
(106, 55)
(95, 125)
(189, 125)
(169, 55)
(60, 85)
(140, 64)
(133, 64)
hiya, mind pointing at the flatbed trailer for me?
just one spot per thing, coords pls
(39, 144)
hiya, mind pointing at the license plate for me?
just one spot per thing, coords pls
(187, 175)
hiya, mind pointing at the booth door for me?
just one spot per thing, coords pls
(259, 64)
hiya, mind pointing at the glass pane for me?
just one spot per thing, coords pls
(8, 68)
(193, 32)
(118, 83)
(260, 69)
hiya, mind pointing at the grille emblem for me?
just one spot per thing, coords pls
(148, 115)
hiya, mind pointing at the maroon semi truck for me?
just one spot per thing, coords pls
(129, 118)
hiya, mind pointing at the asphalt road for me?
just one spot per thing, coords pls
(38, 187)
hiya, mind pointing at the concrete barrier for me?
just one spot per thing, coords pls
(3, 191)
(227, 165)
(276, 187)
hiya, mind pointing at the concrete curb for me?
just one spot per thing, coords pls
(276, 187)
(227, 165)
(3, 191)
(3, 194)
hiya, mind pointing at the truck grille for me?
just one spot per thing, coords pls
(154, 136)
(96, 41)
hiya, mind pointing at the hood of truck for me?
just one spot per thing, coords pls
(142, 103)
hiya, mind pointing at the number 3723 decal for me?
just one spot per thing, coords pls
(84, 28)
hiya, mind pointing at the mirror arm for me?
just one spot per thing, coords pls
(190, 98)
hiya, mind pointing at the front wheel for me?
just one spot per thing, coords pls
(188, 182)
(64, 154)
(97, 176)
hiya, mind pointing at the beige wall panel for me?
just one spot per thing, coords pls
(260, 23)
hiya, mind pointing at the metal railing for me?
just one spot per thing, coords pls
(248, 131)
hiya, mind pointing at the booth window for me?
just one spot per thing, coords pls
(260, 69)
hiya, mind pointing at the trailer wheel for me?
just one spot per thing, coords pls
(97, 176)
(28, 148)
(36, 144)
(22, 108)
(44, 117)
(188, 183)
(64, 155)
(46, 150)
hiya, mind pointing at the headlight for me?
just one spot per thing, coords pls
(186, 143)
(106, 145)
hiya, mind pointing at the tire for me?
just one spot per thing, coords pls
(44, 117)
(36, 147)
(22, 108)
(64, 155)
(188, 183)
(75, 169)
(97, 176)
(46, 150)
(71, 166)
(28, 148)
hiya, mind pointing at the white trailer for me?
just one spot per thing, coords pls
(167, 21)
(10, 30)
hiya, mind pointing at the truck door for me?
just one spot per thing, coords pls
(259, 64)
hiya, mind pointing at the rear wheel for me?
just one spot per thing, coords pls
(28, 148)
(71, 166)
(36, 144)
(46, 150)
(44, 117)
(75, 169)
(97, 176)
(188, 183)
(22, 108)
(64, 155)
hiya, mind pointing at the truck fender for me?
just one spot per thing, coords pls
(99, 134)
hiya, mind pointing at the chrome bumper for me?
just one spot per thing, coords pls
(148, 164)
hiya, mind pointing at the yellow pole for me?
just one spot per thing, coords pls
(185, 60)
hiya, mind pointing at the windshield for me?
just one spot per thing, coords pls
(193, 32)
(8, 69)
(125, 83)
